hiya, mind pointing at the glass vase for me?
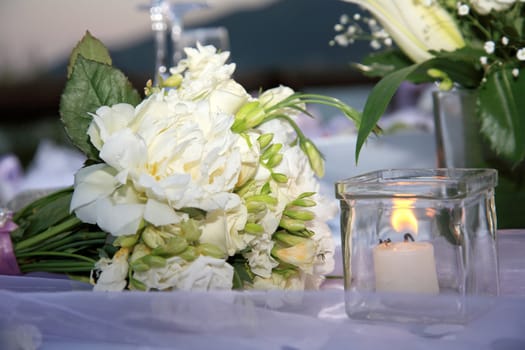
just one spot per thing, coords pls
(417, 242)
(460, 144)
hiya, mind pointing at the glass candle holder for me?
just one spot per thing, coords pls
(417, 242)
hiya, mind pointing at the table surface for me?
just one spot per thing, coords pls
(62, 314)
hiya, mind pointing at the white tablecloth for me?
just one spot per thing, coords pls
(61, 314)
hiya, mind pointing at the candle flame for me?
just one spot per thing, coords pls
(403, 218)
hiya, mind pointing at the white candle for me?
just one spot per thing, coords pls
(407, 267)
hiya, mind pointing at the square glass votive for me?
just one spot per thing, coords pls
(418, 243)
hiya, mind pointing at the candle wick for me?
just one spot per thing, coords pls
(407, 237)
(386, 241)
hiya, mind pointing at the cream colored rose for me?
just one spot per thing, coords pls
(221, 228)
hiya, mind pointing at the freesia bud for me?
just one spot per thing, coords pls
(248, 116)
(275, 160)
(172, 81)
(265, 139)
(288, 239)
(314, 157)
(301, 255)
(272, 150)
(292, 225)
(175, 246)
(212, 250)
(189, 254)
(126, 241)
(304, 215)
(416, 26)
(153, 237)
(280, 178)
(304, 202)
(253, 228)
(191, 230)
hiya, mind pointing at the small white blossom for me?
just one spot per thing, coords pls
(489, 47)
(515, 72)
(388, 42)
(521, 54)
(376, 45)
(483, 60)
(357, 16)
(504, 40)
(338, 27)
(344, 19)
(463, 9)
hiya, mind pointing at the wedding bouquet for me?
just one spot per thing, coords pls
(197, 186)
(471, 44)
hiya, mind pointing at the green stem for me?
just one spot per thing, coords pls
(50, 232)
(77, 238)
(67, 255)
(64, 269)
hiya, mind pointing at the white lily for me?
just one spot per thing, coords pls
(416, 26)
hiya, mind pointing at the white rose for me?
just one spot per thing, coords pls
(221, 228)
(113, 273)
(259, 257)
(484, 7)
(175, 154)
(108, 120)
(206, 273)
(227, 97)
(162, 278)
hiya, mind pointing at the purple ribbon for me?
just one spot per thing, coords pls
(8, 264)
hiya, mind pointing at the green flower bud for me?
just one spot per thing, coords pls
(304, 215)
(127, 241)
(292, 225)
(250, 115)
(314, 156)
(304, 202)
(189, 254)
(137, 285)
(139, 250)
(154, 261)
(175, 246)
(153, 237)
(255, 207)
(280, 178)
(172, 81)
(191, 230)
(265, 139)
(273, 149)
(212, 250)
(253, 228)
(288, 239)
(139, 266)
(262, 198)
(275, 160)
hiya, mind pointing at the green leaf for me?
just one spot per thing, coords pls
(241, 274)
(90, 48)
(377, 102)
(502, 113)
(379, 64)
(92, 85)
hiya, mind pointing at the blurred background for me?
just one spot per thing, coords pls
(272, 42)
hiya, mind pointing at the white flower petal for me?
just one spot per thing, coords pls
(119, 219)
(124, 150)
(91, 183)
(159, 213)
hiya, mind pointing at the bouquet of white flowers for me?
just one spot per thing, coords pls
(198, 186)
